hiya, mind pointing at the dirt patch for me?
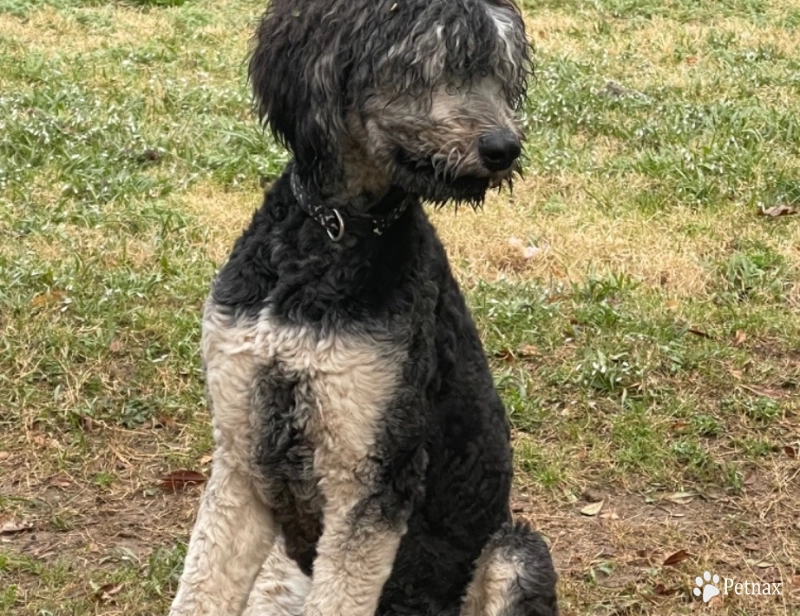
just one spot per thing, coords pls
(638, 553)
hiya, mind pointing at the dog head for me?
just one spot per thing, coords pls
(374, 94)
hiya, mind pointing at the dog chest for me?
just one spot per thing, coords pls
(340, 383)
(346, 378)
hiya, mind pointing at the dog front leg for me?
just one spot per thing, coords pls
(280, 588)
(234, 530)
(231, 538)
(355, 556)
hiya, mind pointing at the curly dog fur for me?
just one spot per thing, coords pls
(362, 462)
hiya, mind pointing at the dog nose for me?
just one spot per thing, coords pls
(498, 149)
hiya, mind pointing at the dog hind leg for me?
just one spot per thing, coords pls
(514, 576)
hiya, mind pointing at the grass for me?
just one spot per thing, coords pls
(642, 319)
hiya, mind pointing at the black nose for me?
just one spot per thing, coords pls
(498, 149)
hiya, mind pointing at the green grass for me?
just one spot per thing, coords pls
(647, 352)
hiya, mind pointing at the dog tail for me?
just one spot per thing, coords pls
(514, 576)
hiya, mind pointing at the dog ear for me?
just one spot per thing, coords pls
(299, 77)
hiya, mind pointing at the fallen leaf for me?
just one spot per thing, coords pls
(739, 338)
(60, 481)
(682, 498)
(763, 564)
(677, 557)
(614, 89)
(517, 507)
(178, 480)
(662, 590)
(766, 393)
(149, 155)
(592, 495)
(116, 345)
(779, 210)
(789, 451)
(753, 547)
(44, 299)
(592, 509)
(700, 332)
(106, 592)
(691, 60)
(204, 460)
(610, 515)
(164, 421)
(526, 251)
(505, 355)
(12, 526)
(749, 479)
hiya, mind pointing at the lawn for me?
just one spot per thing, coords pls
(638, 294)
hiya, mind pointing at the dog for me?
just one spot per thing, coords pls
(362, 459)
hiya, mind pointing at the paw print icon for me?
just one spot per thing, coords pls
(706, 587)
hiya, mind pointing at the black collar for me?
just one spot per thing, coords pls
(338, 221)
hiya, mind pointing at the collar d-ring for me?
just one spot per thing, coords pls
(335, 237)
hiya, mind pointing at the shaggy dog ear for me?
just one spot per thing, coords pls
(298, 71)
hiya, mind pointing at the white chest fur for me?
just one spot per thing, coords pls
(351, 378)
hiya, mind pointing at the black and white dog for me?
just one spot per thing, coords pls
(362, 462)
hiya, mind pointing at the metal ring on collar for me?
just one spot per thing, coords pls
(340, 233)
